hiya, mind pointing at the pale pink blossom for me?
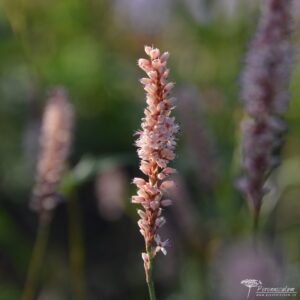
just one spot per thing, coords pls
(156, 144)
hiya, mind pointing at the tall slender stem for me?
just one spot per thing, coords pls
(149, 276)
(36, 261)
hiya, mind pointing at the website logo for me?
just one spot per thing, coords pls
(262, 291)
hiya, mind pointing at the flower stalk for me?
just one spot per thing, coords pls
(149, 276)
(265, 97)
(36, 262)
(55, 142)
(156, 144)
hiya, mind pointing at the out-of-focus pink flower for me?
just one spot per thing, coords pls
(110, 191)
(265, 97)
(156, 144)
(55, 143)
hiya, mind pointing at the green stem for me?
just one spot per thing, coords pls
(36, 262)
(76, 248)
(150, 281)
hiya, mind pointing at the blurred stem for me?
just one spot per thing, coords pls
(36, 261)
(255, 229)
(149, 277)
(76, 247)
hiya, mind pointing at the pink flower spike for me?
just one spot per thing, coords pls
(156, 143)
(264, 92)
(54, 147)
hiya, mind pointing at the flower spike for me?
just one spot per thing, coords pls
(156, 143)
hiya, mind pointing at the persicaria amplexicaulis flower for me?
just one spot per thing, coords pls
(156, 143)
(265, 97)
(55, 142)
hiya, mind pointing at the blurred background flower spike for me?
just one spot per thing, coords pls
(264, 92)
